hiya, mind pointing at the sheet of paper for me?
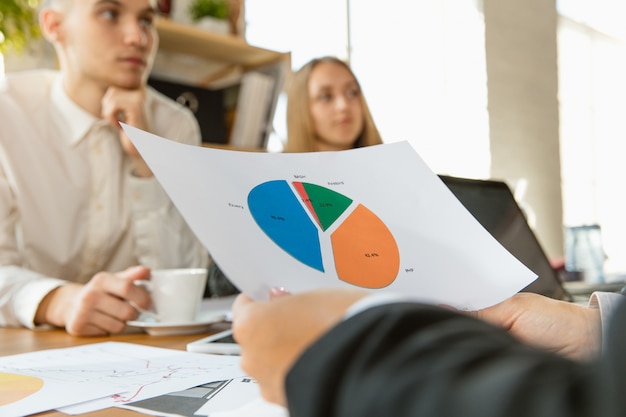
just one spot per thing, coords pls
(375, 217)
(257, 408)
(162, 371)
(121, 372)
(233, 397)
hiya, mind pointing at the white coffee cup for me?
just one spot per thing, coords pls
(176, 293)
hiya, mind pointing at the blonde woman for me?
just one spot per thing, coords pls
(326, 110)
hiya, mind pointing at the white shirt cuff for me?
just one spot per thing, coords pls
(607, 303)
(29, 297)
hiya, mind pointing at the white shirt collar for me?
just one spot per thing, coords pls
(77, 120)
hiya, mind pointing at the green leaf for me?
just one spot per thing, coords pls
(18, 24)
(208, 8)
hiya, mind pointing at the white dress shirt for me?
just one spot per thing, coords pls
(69, 205)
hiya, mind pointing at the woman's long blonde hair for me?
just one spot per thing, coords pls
(300, 134)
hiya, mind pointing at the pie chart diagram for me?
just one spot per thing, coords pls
(14, 387)
(364, 250)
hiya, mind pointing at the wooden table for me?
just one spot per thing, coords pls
(13, 341)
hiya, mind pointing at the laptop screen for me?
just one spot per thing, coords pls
(492, 203)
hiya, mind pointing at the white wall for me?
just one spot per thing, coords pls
(39, 54)
(520, 39)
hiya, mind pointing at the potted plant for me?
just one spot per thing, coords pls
(210, 14)
(18, 24)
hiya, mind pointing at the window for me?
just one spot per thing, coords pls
(423, 71)
(421, 65)
(592, 95)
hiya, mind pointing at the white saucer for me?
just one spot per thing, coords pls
(201, 324)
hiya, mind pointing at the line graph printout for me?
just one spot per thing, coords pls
(375, 217)
(229, 398)
(118, 372)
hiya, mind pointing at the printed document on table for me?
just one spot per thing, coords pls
(118, 372)
(376, 218)
(237, 397)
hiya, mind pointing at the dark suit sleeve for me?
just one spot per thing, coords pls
(416, 360)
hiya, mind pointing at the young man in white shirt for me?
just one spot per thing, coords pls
(81, 215)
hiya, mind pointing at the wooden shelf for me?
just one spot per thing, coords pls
(207, 59)
(228, 49)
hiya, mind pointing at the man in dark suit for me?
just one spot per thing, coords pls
(340, 353)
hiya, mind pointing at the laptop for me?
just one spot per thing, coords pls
(492, 203)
